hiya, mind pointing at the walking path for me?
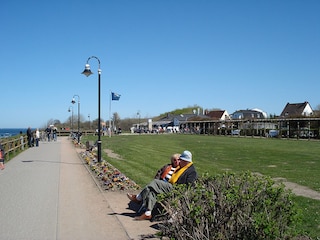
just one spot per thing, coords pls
(47, 192)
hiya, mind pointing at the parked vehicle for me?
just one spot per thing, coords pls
(174, 129)
(138, 130)
(155, 130)
(273, 133)
(235, 132)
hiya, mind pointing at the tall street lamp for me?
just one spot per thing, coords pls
(89, 121)
(138, 113)
(71, 117)
(73, 102)
(88, 72)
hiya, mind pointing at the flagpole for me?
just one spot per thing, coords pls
(110, 115)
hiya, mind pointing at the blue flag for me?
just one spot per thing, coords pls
(115, 96)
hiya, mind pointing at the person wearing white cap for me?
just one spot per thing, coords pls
(186, 174)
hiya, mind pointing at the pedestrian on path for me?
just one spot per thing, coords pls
(48, 132)
(37, 137)
(29, 136)
(2, 155)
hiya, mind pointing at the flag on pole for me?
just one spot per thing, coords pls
(115, 96)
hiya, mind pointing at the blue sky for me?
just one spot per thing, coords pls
(159, 55)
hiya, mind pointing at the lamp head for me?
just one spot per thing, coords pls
(87, 70)
(73, 101)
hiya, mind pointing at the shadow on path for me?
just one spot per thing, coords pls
(30, 161)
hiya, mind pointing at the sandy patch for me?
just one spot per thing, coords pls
(272, 166)
(299, 190)
(111, 154)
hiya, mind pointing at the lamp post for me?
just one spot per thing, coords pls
(88, 72)
(138, 113)
(89, 121)
(73, 102)
(71, 117)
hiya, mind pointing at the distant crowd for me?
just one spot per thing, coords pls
(34, 137)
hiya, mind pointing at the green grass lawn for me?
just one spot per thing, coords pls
(296, 161)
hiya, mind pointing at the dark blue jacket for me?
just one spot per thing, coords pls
(189, 176)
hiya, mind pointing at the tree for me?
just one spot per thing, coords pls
(116, 119)
(94, 123)
(50, 122)
(127, 123)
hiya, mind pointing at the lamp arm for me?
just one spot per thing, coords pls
(95, 58)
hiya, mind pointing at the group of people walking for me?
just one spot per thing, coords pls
(51, 133)
(180, 171)
(34, 137)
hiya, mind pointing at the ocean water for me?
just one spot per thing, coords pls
(10, 132)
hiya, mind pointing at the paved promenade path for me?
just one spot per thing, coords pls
(46, 192)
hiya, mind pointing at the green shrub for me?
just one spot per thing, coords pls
(229, 206)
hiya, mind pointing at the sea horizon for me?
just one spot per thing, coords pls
(10, 132)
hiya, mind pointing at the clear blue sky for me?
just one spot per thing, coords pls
(160, 55)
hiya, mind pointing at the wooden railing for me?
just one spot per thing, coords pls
(14, 145)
